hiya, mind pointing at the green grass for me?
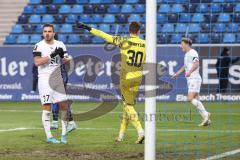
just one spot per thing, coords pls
(178, 136)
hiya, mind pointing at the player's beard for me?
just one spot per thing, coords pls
(48, 39)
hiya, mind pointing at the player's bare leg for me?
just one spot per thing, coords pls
(64, 108)
(194, 99)
(46, 123)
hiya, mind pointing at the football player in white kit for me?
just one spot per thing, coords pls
(194, 80)
(47, 55)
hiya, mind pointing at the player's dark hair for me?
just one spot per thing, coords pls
(134, 27)
(48, 25)
(187, 41)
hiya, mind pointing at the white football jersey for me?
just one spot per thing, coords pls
(43, 49)
(189, 58)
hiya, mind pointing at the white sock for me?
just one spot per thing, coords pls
(64, 122)
(141, 132)
(121, 135)
(200, 107)
(46, 123)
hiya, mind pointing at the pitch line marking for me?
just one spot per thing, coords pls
(222, 155)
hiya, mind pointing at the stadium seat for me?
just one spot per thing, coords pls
(28, 9)
(109, 18)
(173, 18)
(56, 28)
(41, 9)
(233, 27)
(194, 1)
(70, 1)
(34, 1)
(114, 8)
(35, 19)
(59, 19)
(142, 1)
(58, 2)
(46, 1)
(52, 9)
(96, 18)
(191, 7)
(164, 8)
(106, 1)
(64, 9)
(126, 8)
(185, 18)
(39, 28)
(168, 28)
(121, 18)
(198, 17)
(17, 28)
(77, 9)
(35, 38)
(97, 40)
(194, 27)
(211, 18)
(181, 28)
(159, 27)
(22, 19)
(47, 18)
(177, 8)
(94, 1)
(176, 38)
(82, 1)
(238, 38)
(161, 18)
(139, 8)
(89, 9)
(71, 18)
(132, 1)
(86, 39)
(62, 37)
(202, 8)
(10, 39)
(202, 38)
(84, 18)
(104, 28)
(236, 17)
(215, 7)
(216, 38)
(23, 39)
(119, 1)
(66, 28)
(227, 7)
(218, 1)
(29, 28)
(101, 9)
(205, 27)
(73, 39)
(134, 17)
(237, 7)
(229, 38)
(224, 17)
(163, 39)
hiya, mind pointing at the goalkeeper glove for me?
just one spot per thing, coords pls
(83, 26)
(58, 51)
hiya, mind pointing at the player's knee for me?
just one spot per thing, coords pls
(63, 105)
(46, 107)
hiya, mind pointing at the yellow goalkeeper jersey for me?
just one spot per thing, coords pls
(132, 50)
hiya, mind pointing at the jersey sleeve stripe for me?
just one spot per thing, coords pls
(37, 54)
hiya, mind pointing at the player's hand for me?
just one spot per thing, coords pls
(187, 74)
(54, 53)
(60, 52)
(83, 26)
(174, 76)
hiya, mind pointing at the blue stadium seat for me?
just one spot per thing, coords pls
(29, 28)
(114, 8)
(47, 18)
(198, 17)
(62, 37)
(159, 27)
(70, 1)
(161, 18)
(191, 7)
(142, 1)
(205, 27)
(176, 38)
(202, 38)
(22, 19)
(46, 1)
(109, 18)
(216, 38)
(177, 8)
(41, 9)
(86, 39)
(52, 9)
(97, 40)
(59, 19)
(238, 38)
(181, 28)
(73, 39)
(168, 28)
(106, 1)
(10, 39)
(236, 17)
(39, 28)
(194, 1)
(134, 17)
(229, 38)
(17, 28)
(173, 18)
(82, 1)
(228, 7)
(56, 28)
(97, 18)
(202, 8)
(185, 18)
(71, 18)
(211, 18)
(215, 7)
(119, 1)
(164, 8)
(139, 8)
(163, 39)
(28, 9)
(224, 17)
(35, 38)
(104, 28)
(194, 27)
(23, 39)
(34, 1)
(77, 9)
(89, 9)
(218, 1)
(233, 27)
(66, 28)
(118, 29)
(94, 1)
(84, 18)
(126, 8)
(121, 18)
(35, 19)
(101, 9)
(237, 7)
(58, 2)
(132, 1)
(64, 9)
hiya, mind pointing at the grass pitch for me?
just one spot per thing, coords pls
(178, 136)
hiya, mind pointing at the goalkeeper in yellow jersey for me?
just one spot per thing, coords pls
(132, 50)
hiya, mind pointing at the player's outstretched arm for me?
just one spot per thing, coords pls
(107, 37)
(181, 70)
